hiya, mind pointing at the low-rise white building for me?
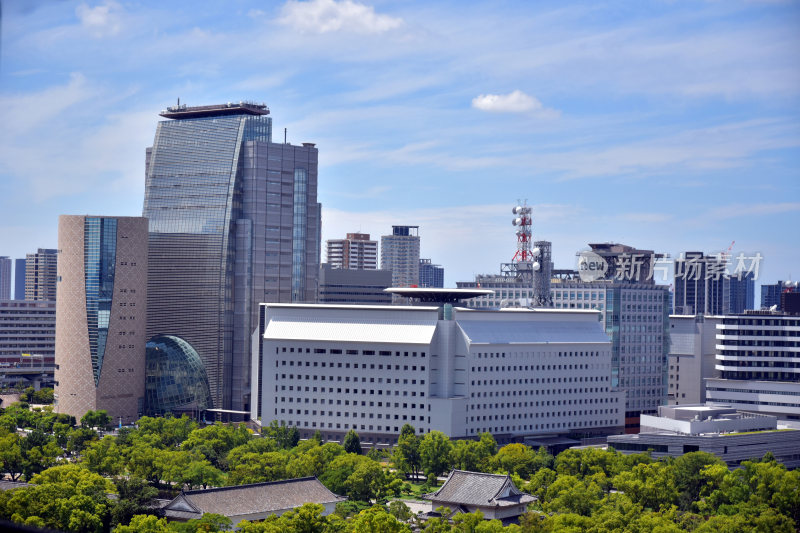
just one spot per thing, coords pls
(734, 436)
(514, 372)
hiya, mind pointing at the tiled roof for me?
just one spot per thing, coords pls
(479, 489)
(250, 499)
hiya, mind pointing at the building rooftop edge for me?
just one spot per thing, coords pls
(230, 108)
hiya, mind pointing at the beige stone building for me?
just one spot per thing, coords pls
(101, 315)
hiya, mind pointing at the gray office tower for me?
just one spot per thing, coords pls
(19, 279)
(742, 295)
(5, 278)
(234, 221)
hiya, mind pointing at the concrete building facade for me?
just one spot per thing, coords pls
(514, 373)
(27, 328)
(349, 286)
(101, 316)
(692, 357)
(356, 251)
(234, 221)
(41, 270)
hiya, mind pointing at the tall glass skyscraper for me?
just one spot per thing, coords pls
(234, 221)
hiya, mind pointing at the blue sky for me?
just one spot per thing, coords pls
(671, 125)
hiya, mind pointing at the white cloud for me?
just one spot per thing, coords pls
(323, 16)
(515, 102)
(101, 20)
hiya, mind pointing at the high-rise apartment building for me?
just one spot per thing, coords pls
(19, 279)
(5, 278)
(400, 254)
(234, 221)
(356, 251)
(758, 364)
(101, 315)
(40, 274)
(430, 275)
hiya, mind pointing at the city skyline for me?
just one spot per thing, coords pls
(641, 125)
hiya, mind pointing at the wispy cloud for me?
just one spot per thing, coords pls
(102, 20)
(513, 102)
(324, 16)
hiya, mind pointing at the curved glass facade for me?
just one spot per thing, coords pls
(175, 377)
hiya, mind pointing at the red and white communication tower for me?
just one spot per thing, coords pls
(526, 252)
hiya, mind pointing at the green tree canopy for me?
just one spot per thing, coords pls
(405, 456)
(434, 452)
(66, 498)
(352, 444)
(96, 419)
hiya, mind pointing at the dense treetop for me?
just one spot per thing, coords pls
(74, 469)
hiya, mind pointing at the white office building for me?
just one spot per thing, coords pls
(758, 361)
(516, 373)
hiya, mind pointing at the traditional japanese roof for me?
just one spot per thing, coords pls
(480, 490)
(257, 498)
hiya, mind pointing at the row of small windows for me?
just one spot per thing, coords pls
(520, 368)
(579, 379)
(323, 364)
(499, 430)
(754, 391)
(346, 414)
(347, 379)
(372, 392)
(502, 355)
(336, 351)
(341, 425)
(552, 414)
(525, 392)
(543, 403)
